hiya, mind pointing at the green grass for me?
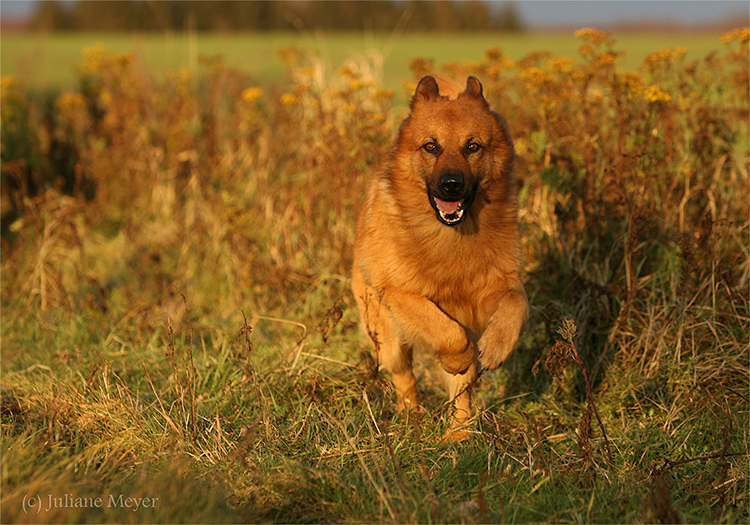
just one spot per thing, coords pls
(46, 61)
(176, 257)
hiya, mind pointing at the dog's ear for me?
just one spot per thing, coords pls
(473, 88)
(426, 89)
(502, 144)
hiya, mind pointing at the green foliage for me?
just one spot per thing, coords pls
(177, 322)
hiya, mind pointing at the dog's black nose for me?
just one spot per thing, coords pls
(452, 184)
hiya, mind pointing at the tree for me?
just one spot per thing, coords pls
(510, 19)
(274, 15)
(51, 15)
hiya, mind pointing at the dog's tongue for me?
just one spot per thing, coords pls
(447, 207)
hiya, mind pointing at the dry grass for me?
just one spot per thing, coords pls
(176, 315)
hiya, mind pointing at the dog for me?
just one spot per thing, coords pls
(437, 257)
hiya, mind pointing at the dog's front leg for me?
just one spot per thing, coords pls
(497, 342)
(423, 323)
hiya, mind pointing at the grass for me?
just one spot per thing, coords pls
(46, 61)
(178, 331)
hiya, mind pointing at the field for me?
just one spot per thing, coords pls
(47, 61)
(179, 342)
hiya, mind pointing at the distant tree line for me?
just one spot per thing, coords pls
(275, 15)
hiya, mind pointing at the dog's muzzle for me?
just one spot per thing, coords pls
(451, 198)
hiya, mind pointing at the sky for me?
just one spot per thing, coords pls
(600, 12)
(550, 13)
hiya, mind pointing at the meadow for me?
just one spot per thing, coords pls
(179, 342)
(46, 61)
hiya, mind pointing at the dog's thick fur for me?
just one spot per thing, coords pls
(437, 262)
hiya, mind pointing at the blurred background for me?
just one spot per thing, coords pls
(42, 40)
(378, 15)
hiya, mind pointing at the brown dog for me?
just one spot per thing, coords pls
(437, 262)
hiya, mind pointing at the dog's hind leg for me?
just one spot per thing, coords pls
(393, 354)
(397, 359)
(460, 387)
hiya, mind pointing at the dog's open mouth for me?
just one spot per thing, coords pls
(449, 212)
(452, 211)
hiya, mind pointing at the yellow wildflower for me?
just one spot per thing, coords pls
(591, 34)
(93, 52)
(7, 82)
(493, 69)
(607, 58)
(289, 99)
(535, 76)
(561, 64)
(678, 52)
(654, 94)
(9, 90)
(662, 55)
(70, 102)
(657, 56)
(633, 83)
(251, 94)
(742, 35)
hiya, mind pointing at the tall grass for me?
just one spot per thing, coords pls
(177, 322)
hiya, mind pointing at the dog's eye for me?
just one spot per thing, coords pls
(430, 147)
(473, 147)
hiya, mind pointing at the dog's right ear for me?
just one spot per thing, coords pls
(427, 89)
(473, 88)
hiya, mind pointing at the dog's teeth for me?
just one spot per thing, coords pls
(456, 216)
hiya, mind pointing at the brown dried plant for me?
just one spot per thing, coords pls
(563, 352)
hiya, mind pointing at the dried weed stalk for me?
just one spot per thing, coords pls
(187, 387)
(562, 352)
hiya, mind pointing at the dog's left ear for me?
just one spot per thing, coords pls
(427, 89)
(473, 88)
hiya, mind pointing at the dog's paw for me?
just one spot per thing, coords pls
(459, 362)
(455, 435)
(455, 352)
(495, 345)
(503, 329)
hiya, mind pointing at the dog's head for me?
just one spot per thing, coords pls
(456, 145)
